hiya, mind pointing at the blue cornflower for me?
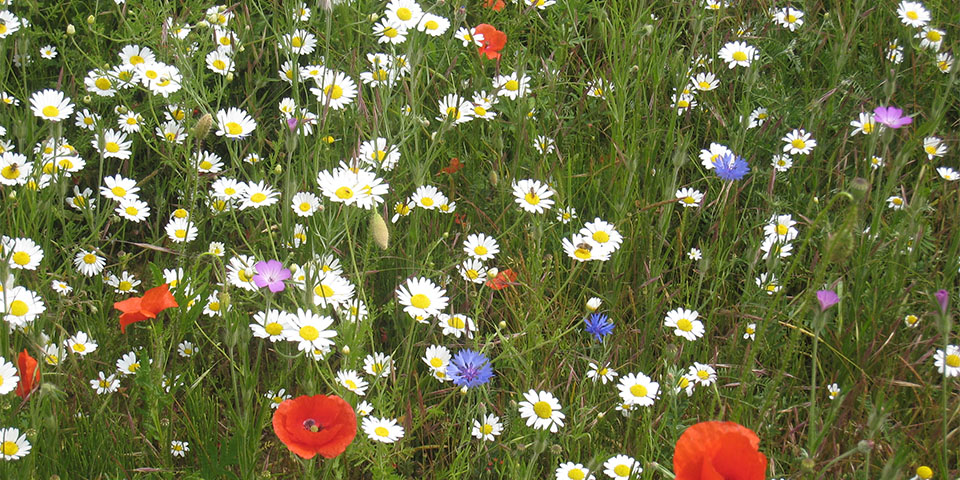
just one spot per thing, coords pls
(469, 369)
(598, 325)
(731, 167)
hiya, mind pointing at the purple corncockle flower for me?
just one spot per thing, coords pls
(469, 369)
(293, 123)
(891, 117)
(827, 299)
(270, 274)
(731, 167)
(943, 298)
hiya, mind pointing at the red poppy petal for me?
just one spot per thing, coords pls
(29, 376)
(737, 458)
(128, 318)
(131, 304)
(713, 450)
(158, 299)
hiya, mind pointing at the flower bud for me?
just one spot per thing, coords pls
(91, 20)
(502, 324)
(71, 30)
(277, 169)
(345, 350)
(379, 231)
(203, 126)
(494, 178)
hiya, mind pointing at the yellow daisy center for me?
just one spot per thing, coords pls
(404, 14)
(638, 391)
(258, 197)
(456, 322)
(543, 409)
(512, 85)
(601, 237)
(273, 328)
(740, 56)
(420, 301)
(344, 193)
(798, 143)
(953, 361)
(89, 259)
(50, 111)
(480, 250)
(333, 91)
(10, 448)
(532, 198)
(309, 333)
(381, 432)
(19, 308)
(685, 325)
(234, 128)
(323, 291)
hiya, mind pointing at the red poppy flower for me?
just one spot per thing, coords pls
(496, 5)
(503, 280)
(318, 424)
(29, 376)
(454, 166)
(493, 40)
(719, 451)
(153, 301)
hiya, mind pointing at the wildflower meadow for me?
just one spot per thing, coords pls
(479, 239)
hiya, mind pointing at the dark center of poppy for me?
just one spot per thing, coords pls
(312, 425)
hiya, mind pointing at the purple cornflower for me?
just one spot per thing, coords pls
(270, 274)
(731, 167)
(598, 325)
(943, 298)
(827, 299)
(891, 117)
(469, 369)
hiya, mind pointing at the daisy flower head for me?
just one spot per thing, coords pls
(781, 162)
(703, 374)
(602, 234)
(377, 364)
(472, 270)
(469, 37)
(913, 14)
(13, 444)
(437, 357)
(896, 202)
(584, 249)
(771, 247)
(181, 230)
(14, 168)
(125, 283)
(390, 31)
(179, 448)
(335, 89)
(379, 154)
(309, 330)
(895, 51)
(750, 332)
(260, 194)
(622, 467)
(100, 83)
(24, 253)
(790, 18)
(9, 23)
(186, 349)
(737, 54)
(604, 373)
(945, 62)
(689, 197)
(51, 105)
(420, 296)
(480, 246)
(948, 174)
(456, 324)
(512, 86)
(566, 214)
(781, 227)
(798, 142)
(331, 289)
(710, 155)
(433, 25)
(934, 147)
(947, 361)
(487, 428)
(638, 389)
(833, 391)
(234, 123)
(455, 108)
(128, 364)
(381, 429)
(404, 12)
(705, 81)
(931, 38)
(541, 410)
(61, 287)
(22, 306)
(532, 195)
(89, 263)
(276, 398)
(300, 42)
(757, 117)
(731, 167)
(271, 324)
(570, 470)
(8, 377)
(864, 124)
(685, 323)
(80, 344)
(543, 144)
(105, 384)
(119, 188)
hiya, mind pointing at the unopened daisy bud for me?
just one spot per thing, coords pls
(463, 390)
(374, 17)
(556, 449)
(86, 99)
(229, 77)
(71, 30)
(91, 20)
(502, 324)
(345, 350)
(494, 178)
(277, 169)
(12, 195)
(593, 304)
(203, 23)
(203, 126)
(492, 272)
(379, 232)
(601, 415)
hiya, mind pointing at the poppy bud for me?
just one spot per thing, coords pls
(379, 232)
(203, 126)
(494, 178)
